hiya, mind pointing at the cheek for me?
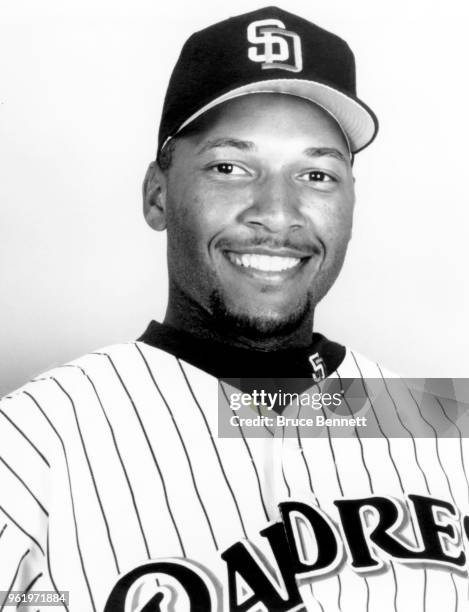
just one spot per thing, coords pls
(194, 218)
(333, 221)
(341, 227)
(198, 214)
(185, 241)
(182, 225)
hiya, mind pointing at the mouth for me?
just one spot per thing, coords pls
(262, 262)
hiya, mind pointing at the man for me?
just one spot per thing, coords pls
(132, 479)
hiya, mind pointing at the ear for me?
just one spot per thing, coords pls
(154, 197)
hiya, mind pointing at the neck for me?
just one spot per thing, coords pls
(189, 316)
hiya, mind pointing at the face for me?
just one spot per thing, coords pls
(258, 206)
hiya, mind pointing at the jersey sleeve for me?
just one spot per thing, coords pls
(24, 475)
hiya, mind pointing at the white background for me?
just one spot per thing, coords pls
(81, 89)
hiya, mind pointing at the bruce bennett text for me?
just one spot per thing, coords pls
(278, 420)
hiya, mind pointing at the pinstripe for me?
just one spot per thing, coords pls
(250, 457)
(460, 443)
(367, 607)
(22, 529)
(339, 483)
(360, 443)
(289, 495)
(283, 470)
(395, 582)
(331, 447)
(126, 476)
(425, 591)
(80, 554)
(266, 427)
(14, 577)
(339, 594)
(25, 437)
(442, 469)
(414, 446)
(456, 603)
(49, 569)
(181, 439)
(93, 479)
(29, 587)
(300, 445)
(426, 483)
(196, 490)
(189, 386)
(405, 427)
(338, 478)
(388, 444)
(150, 448)
(317, 600)
(435, 434)
(24, 485)
(396, 586)
(462, 463)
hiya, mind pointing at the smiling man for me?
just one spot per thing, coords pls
(254, 182)
(152, 476)
(258, 203)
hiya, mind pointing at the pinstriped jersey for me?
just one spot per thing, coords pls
(116, 487)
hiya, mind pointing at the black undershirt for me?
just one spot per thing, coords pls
(225, 361)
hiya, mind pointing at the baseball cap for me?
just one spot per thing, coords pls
(268, 50)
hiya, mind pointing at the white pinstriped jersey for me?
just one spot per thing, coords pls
(113, 461)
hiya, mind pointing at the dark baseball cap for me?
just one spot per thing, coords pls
(266, 51)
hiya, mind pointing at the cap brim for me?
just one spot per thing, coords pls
(358, 122)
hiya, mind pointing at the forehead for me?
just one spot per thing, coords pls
(269, 115)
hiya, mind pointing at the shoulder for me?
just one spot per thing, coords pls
(50, 414)
(75, 380)
(106, 373)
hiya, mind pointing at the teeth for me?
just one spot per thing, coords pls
(266, 263)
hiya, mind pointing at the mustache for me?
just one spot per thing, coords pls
(270, 242)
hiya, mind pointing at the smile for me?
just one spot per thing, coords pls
(263, 263)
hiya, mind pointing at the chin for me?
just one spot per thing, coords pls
(258, 325)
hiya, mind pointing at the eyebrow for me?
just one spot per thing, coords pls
(326, 152)
(247, 145)
(241, 145)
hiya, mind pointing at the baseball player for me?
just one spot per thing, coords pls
(157, 475)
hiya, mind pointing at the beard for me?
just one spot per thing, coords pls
(257, 327)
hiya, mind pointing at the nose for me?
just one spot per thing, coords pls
(274, 205)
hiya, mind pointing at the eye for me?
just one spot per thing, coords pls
(227, 168)
(317, 176)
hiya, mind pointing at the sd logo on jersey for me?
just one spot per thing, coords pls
(275, 47)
